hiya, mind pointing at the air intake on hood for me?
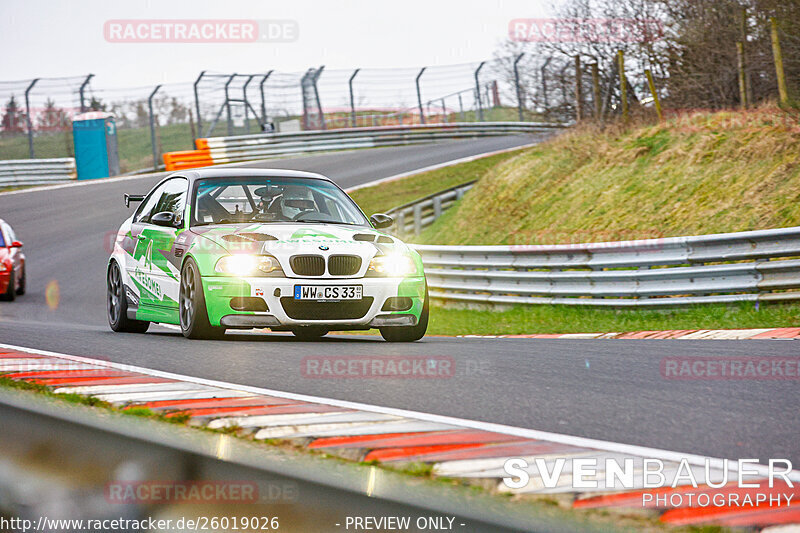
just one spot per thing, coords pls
(364, 237)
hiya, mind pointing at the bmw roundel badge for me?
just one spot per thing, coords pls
(323, 248)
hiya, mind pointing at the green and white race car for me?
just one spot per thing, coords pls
(211, 250)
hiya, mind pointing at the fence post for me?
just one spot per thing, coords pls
(81, 92)
(263, 100)
(246, 103)
(353, 121)
(741, 69)
(437, 207)
(417, 219)
(578, 90)
(596, 91)
(653, 92)
(228, 104)
(623, 89)
(419, 96)
(153, 126)
(28, 121)
(543, 76)
(520, 103)
(314, 80)
(478, 91)
(783, 94)
(197, 104)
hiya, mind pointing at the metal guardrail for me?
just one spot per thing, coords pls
(249, 147)
(730, 267)
(413, 217)
(16, 172)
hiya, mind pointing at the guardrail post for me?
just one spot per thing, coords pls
(153, 126)
(197, 104)
(228, 104)
(478, 91)
(81, 92)
(419, 96)
(28, 121)
(520, 103)
(437, 207)
(417, 219)
(352, 98)
(263, 101)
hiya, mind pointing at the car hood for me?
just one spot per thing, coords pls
(282, 239)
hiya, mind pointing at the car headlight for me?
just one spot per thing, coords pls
(249, 265)
(394, 265)
(3, 267)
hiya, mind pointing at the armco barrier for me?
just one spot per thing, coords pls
(730, 267)
(218, 150)
(413, 217)
(20, 172)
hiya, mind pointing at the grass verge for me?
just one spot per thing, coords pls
(382, 197)
(522, 320)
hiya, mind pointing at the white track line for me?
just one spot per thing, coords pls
(654, 453)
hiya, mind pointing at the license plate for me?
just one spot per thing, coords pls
(327, 292)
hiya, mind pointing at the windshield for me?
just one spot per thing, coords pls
(273, 200)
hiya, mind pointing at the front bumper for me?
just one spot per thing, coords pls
(285, 312)
(5, 279)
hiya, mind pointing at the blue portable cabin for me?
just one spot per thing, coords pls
(94, 135)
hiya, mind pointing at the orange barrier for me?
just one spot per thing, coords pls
(188, 159)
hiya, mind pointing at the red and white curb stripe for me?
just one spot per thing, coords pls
(454, 447)
(688, 334)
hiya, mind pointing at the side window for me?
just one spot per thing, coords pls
(173, 197)
(146, 210)
(10, 235)
(2, 242)
(169, 196)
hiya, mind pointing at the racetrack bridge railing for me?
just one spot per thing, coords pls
(751, 266)
(218, 150)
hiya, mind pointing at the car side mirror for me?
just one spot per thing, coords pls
(380, 220)
(133, 198)
(16, 244)
(164, 218)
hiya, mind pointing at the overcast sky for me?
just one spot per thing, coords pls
(47, 38)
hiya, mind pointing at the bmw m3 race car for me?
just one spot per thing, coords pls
(211, 250)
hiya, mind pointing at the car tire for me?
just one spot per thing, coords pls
(11, 294)
(309, 333)
(117, 304)
(409, 333)
(192, 311)
(21, 288)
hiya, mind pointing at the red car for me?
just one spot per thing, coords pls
(12, 264)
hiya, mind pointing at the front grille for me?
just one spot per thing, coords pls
(311, 310)
(308, 265)
(344, 265)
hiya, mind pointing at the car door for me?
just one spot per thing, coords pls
(141, 264)
(165, 258)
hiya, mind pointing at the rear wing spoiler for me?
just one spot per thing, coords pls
(133, 198)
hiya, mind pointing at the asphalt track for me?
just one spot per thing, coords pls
(604, 389)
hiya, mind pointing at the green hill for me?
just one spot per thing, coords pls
(697, 174)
